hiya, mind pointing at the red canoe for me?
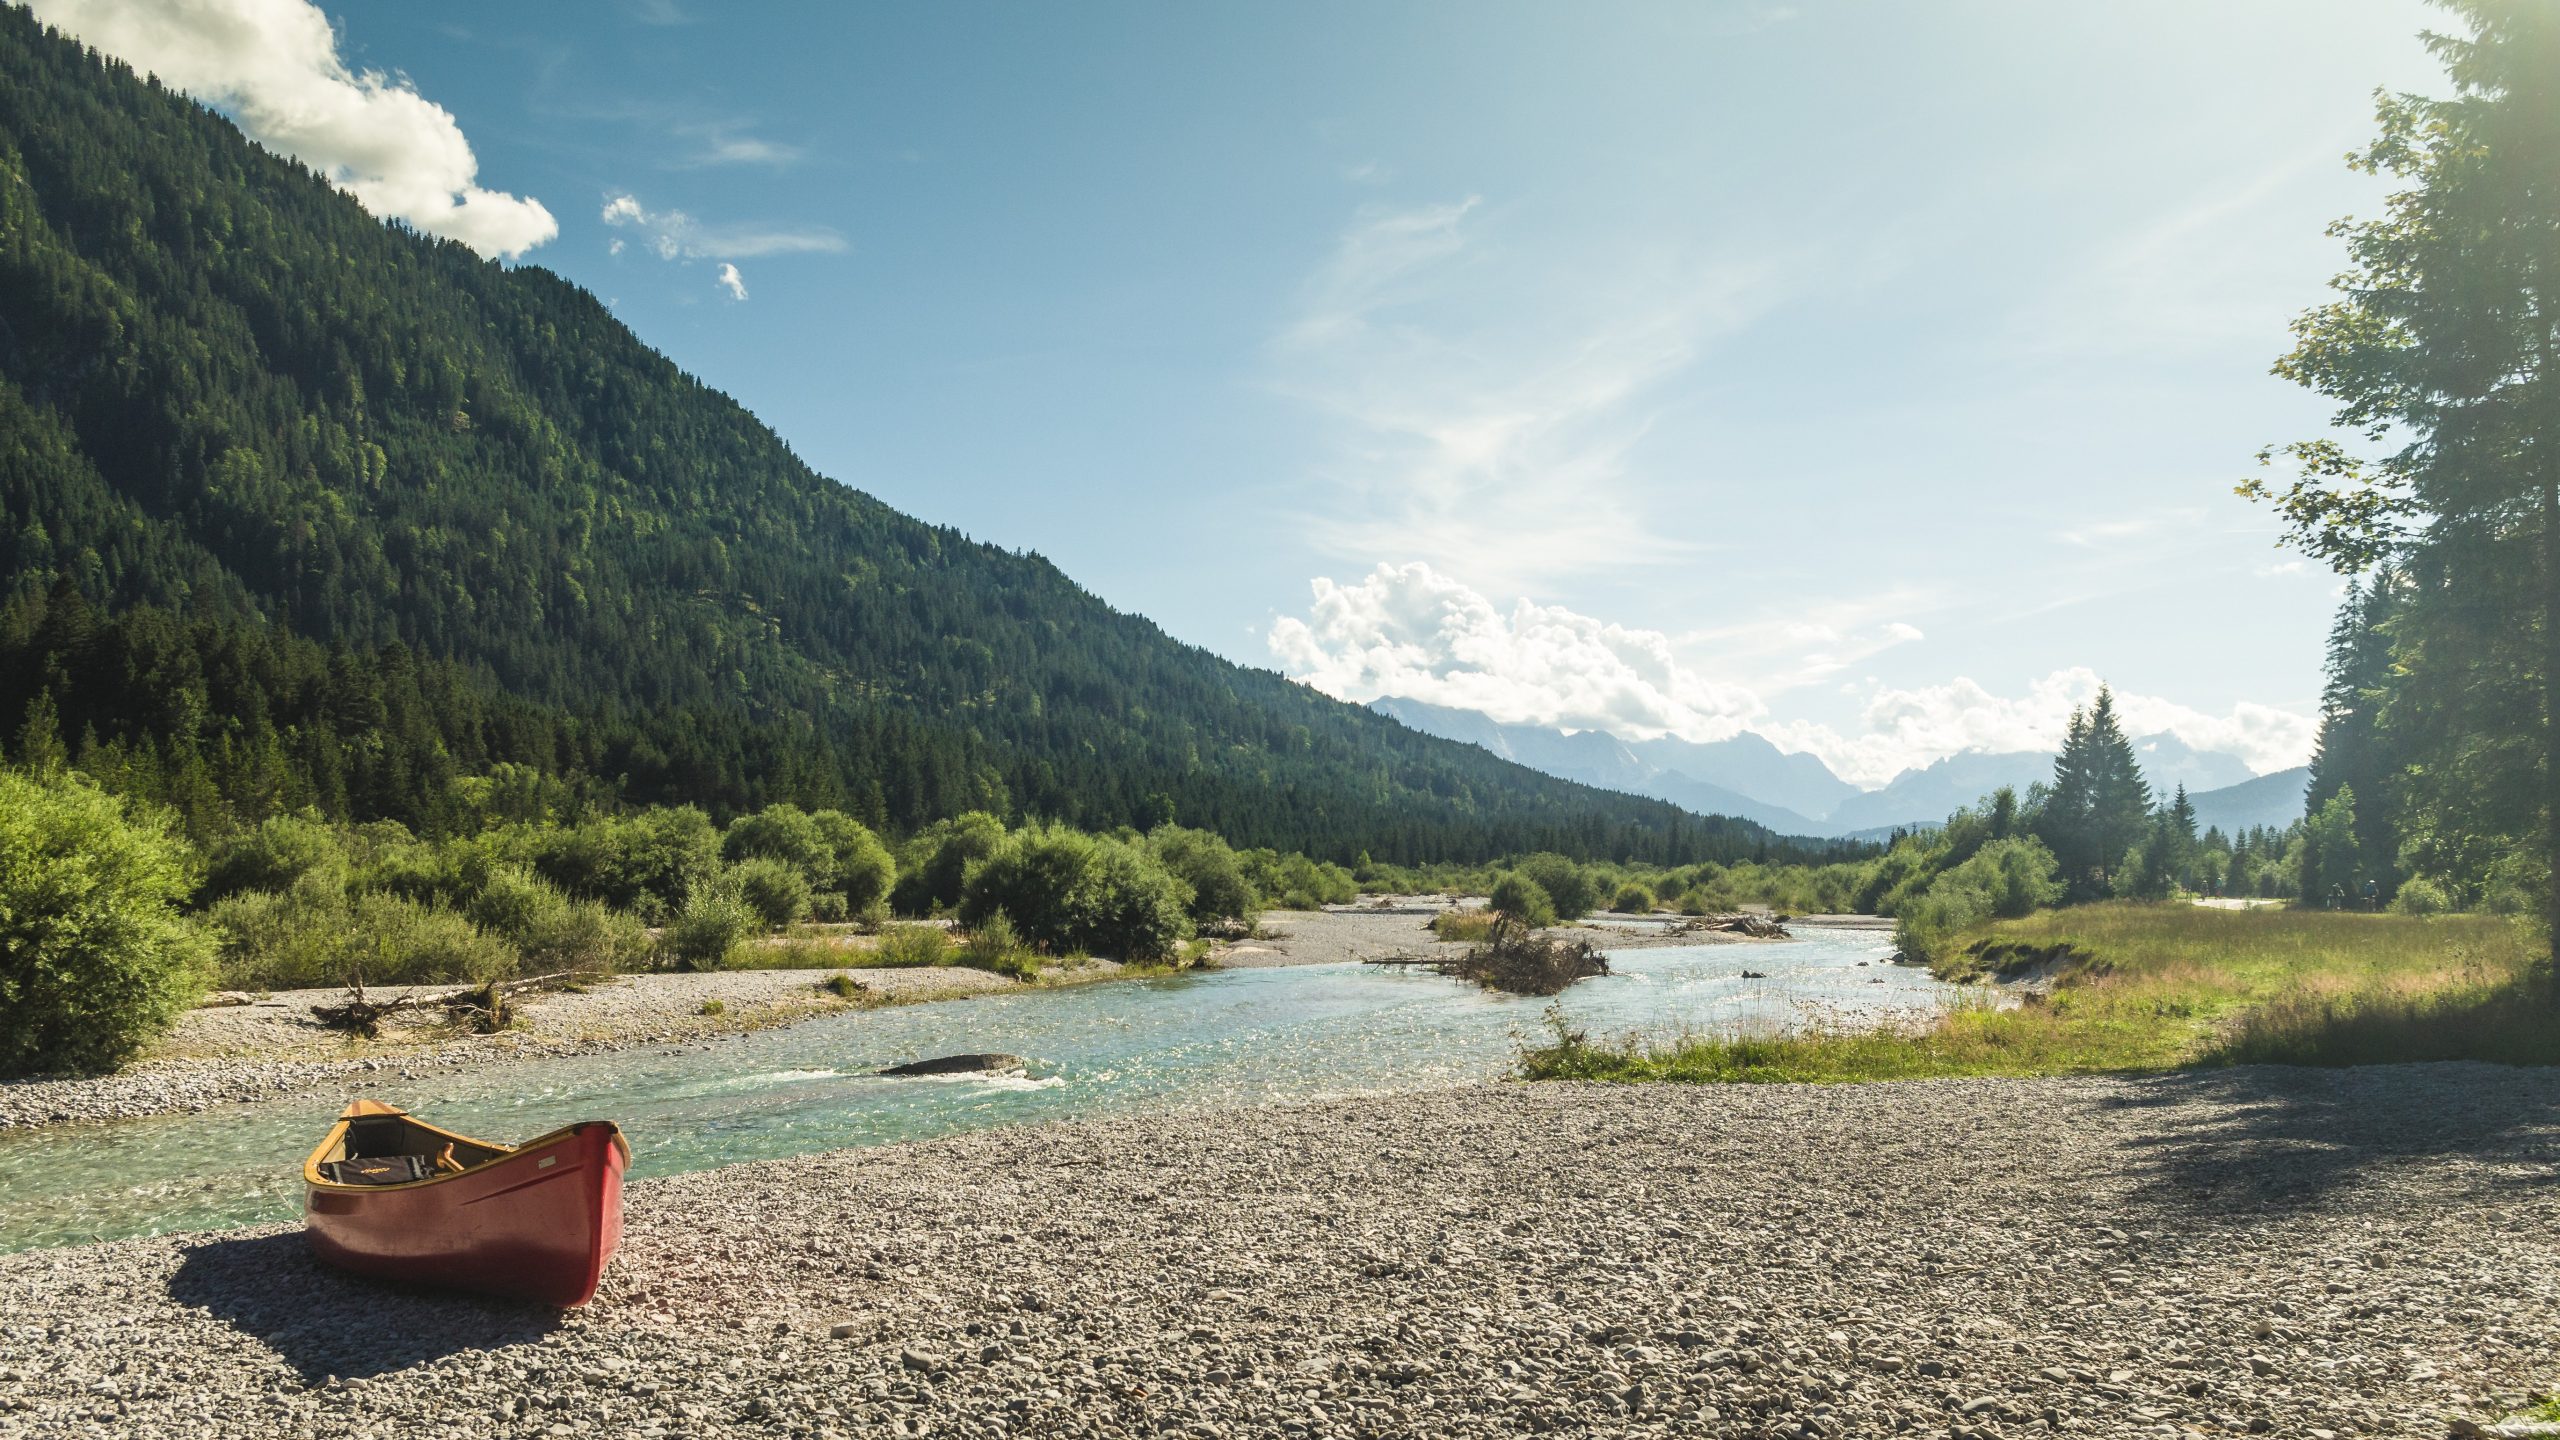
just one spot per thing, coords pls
(399, 1199)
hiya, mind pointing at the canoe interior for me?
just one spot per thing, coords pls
(364, 1137)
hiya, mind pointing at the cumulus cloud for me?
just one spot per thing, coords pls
(273, 65)
(1410, 631)
(1901, 728)
(675, 235)
(732, 281)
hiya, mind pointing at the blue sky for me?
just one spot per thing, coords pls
(1871, 376)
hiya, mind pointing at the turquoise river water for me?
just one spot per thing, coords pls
(1220, 1038)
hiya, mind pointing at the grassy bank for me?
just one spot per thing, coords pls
(2147, 987)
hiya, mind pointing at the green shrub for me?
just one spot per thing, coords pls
(713, 1007)
(1568, 886)
(993, 945)
(1129, 907)
(400, 942)
(1524, 900)
(95, 960)
(2421, 896)
(583, 935)
(842, 986)
(856, 865)
(312, 937)
(709, 934)
(778, 832)
(904, 945)
(1203, 861)
(293, 940)
(934, 868)
(1299, 883)
(648, 863)
(1632, 899)
(776, 892)
(2517, 885)
(273, 856)
(1064, 891)
(1032, 879)
(827, 907)
(512, 900)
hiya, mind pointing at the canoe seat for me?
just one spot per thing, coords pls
(377, 1170)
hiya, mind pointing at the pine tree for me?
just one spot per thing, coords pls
(2441, 343)
(2118, 793)
(2064, 823)
(2354, 748)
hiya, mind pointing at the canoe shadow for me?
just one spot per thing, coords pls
(325, 1323)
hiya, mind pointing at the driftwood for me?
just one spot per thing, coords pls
(1515, 959)
(360, 1015)
(1758, 927)
(488, 1007)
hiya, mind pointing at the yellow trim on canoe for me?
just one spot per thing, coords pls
(361, 1108)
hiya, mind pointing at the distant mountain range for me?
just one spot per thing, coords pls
(1796, 794)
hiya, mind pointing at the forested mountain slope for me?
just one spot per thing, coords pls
(300, 508)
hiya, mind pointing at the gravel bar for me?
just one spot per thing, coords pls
(1366, 932)
(2296, 1253)
(225, 1054)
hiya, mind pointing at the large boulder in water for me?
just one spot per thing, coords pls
(959, 1065)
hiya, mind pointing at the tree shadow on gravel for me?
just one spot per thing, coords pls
(2271, 1139)
(323, 1322)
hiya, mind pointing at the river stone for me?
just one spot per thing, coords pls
(958, 1065)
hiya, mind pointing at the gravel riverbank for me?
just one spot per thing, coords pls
(227, 1053)
(2293, 1253)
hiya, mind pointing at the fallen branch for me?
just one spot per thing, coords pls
(360, 1015)
(1758, 927)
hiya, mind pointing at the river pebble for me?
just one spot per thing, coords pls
(2256, 1251)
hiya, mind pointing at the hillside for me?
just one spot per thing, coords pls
(304, 509)
(2270, 800)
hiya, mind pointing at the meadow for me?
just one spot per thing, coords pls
(2145, 987)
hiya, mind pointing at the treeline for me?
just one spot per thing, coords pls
(2418, 798)
(112, 920)
(299, 510)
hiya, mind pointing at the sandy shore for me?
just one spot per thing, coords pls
(2295, 1253)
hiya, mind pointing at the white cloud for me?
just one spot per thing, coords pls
(273, 65)
(1408, 630)
(1411, 631)
(1488, 405)
(731, 281)
(675, 235)
(1902, 728)
(726, 142)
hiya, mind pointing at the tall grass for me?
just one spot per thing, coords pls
(2149, 987)
(1471, 926)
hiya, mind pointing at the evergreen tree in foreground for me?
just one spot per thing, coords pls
(2442, 344)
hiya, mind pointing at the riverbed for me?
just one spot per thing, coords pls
(1243, 1037)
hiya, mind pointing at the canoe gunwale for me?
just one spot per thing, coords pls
(361, 1109)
